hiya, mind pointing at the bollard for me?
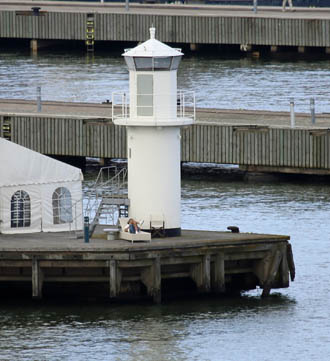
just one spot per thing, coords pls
(312, 106)
(292, 113)
(255, 6)
(39, 99)
(35, 11)
(86, 229)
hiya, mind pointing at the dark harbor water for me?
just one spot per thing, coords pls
(293, 324)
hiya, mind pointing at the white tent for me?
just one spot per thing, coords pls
(37, 193)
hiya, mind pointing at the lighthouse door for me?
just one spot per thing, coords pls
(144, 87)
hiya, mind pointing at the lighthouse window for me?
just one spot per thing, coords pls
(20, 210)
(175, 62)
(143, 63)
(62, 206)
(144, 92)
(130, 63)
(162, 63)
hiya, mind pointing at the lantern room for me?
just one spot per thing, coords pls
(154, 99)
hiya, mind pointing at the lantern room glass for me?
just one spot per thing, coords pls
(130, 62)
(140, 63)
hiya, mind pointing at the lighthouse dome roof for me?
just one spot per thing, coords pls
(153, 48)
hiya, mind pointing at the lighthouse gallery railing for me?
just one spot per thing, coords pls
(185, 106)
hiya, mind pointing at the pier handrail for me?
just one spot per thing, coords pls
(76, 216)
(105, 188)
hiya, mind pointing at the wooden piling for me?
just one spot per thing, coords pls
(276, 259)
(37, 279)
(201, 274)
(151, 278)
(157, 281)
(206, 273)
(115, 278)
(219, 273)
(284, 268)
(291, 264)
(34, 46)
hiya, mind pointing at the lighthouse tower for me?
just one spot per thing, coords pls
(156, 113)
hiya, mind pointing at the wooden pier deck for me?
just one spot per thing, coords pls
(257, 140)
(215, 261)
(191, 24)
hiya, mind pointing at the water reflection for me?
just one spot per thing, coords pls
(139, 332)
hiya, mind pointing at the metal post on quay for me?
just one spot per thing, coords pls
(312, 107)
(39, 99)
(255, 6)
(292, 114)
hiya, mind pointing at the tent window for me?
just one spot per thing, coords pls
(62, 206)
(20, 208)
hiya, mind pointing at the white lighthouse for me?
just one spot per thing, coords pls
(156, 113)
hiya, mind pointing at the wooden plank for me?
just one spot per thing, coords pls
(227, 145)
(234, 146)
(326, 152)
(209, 144)
(267, 140)
(72, 263)
(304, 136)
(276, 147)
(296, 148)
(300, 147)
(230, 145)
(246, 142)
(322, 151)
(261, 144)
(249, 144)
(254, 146)
(217, 144)
(223, 144)
(289, 147)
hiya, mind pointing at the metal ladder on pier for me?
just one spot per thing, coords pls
(90, 32)
(5, 130)
(107, 199)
